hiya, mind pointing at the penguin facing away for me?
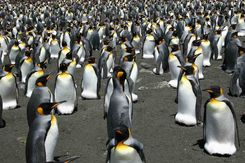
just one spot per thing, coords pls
(124, 148)
(220, 125)
(120, 105)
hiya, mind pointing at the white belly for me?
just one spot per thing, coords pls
(32, 83)
(89, 84)
(220, 129)
(174, 71)
(25, 69)
(206, 54)
(186, 104)
(8, 92)
(127, 155)
(199, 63)
(148, 49)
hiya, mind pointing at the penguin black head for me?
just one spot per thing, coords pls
(46, 108)
(91, 60)
(174, 47)
(120, 73)
(129, 58)
(42, 81)
(109, 48)
(192, 58)
(42, 65)
(196, 43)
(16, 43)
(63, 67)
(69, 55)
(8, 67)
(189, 70)
(121, 133)
(214, 91)
(64, 44)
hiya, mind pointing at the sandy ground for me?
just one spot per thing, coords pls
(84, 133)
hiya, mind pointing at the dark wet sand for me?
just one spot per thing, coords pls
(84, 133)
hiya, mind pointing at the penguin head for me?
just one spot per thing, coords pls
(8, 67)
(120, 74)
(129, 58)
(214, 91)
(69, 55)
(174, 47)
(91, 60)
(46, 108)
(63, 67)
(188, 69)
(196, 43)
(109, 48)
(121, 133)
(192, 58)
(42, 81)
(64, 44)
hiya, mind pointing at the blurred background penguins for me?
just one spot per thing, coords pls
(220, 124)
(9, 88)
(91, 80)
(40, 94)
(63, 81)
(124, 148)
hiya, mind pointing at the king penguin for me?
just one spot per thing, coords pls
(175, 59)
(26, 66)
(106, 62)
(91, 80)
(119, 110)
(189, 98)
(8, 88)
(207, 51)
(43, 130)
(14, 51)
(40, 94)
(124, 148)
(148, 45)
(32, 77)
(65, 80)
(220, 125)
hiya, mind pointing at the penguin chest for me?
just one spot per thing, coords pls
(186, 97)
(148, 47)
(25, 69)
(173, 66)
(220, 126)
(63, 82)
(89, 83)
(32, 81)
(124, 154)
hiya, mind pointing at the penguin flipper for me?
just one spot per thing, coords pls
(231, 106)
(204, 120)
(139, 148)
(197, 91)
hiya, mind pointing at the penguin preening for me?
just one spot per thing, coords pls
(220, 125)
(124, 148)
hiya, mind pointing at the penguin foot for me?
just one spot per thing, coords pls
(220, 149)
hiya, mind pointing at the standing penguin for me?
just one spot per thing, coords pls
(32, 77)
(36, 148)
(91, 80)
(161, 57)
(175, 59)
(54, 47)
(220, 128)
(14, 51)
(63, 53)
(207, 51)
(2, 121)
(65, 80)
(237, 83)
(40, 94)
(130, 66)
(120, 103)
(26, 66)
(8, 88)
(124, 148)
(106, 62)
(148, 45)
(189, 98)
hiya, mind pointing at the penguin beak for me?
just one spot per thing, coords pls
(182, 68)
(119, 74)
(57, 103)
(208, 90)
(197, 55)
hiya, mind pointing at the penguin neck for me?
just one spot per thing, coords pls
(119, 84)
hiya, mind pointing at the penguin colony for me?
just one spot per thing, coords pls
(104, 39)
